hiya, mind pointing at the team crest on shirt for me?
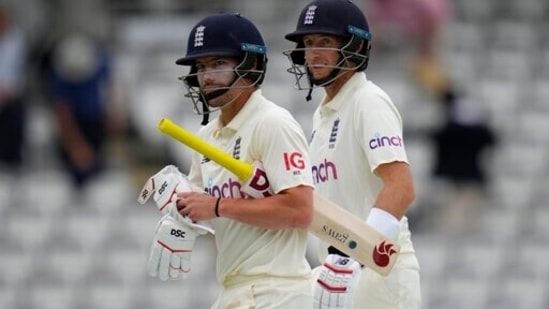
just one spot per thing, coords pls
(204, 160)
(236, 149)
(333, 134)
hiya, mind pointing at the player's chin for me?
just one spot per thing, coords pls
(217, 102)
(319, 72)
(319, 76)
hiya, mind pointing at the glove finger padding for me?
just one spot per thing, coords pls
(334, 285)
(176, 267)
(154, 257)
(164, 264)
(164, 186)
(171, 250)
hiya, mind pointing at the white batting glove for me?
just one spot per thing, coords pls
(164, 186)
(334, 286)
(171, 250)
(258, 185)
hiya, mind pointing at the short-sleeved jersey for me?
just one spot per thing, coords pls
(354, 133)
(261, 131)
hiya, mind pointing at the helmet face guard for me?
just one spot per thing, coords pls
(340, 18)
(244, 70)
(223, 35)
(347, 53)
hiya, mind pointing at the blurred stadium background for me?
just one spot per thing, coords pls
(59, 250)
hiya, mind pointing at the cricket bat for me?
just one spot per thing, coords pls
(331, 223)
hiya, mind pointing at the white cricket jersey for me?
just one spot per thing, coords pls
(359, 129)
(261, 131)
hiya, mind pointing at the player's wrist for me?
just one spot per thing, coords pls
(384, 222)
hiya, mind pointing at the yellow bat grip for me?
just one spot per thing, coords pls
(242, 170)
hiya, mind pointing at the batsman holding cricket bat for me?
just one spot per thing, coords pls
(259, 225)
(357, 152)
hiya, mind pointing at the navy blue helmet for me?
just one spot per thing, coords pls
(229, 35)
(330, 17)
(341, 18)
(224, 35)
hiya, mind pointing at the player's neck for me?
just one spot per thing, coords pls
(230, 110)
(333, 88)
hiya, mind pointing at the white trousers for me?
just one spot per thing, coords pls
(399, 290)
(267, 293)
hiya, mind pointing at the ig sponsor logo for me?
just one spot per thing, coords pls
(293, 160)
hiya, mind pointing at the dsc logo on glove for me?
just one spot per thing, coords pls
(177, 233)
(145, 194)
(162, 187)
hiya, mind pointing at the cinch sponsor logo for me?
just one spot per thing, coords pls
(383, 141)
(324, 171)
(231, 189)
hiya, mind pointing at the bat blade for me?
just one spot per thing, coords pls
(331, 223)
(340, 228)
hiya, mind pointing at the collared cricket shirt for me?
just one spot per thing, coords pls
(261, 131)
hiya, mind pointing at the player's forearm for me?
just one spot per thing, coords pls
(292, 208)
(394, 201)
(398, 191)
(395, 198)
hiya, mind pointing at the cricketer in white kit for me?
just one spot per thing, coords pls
(352, 135)
(250, 257)
(358, 155)
(260, 226)
(261, 242)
